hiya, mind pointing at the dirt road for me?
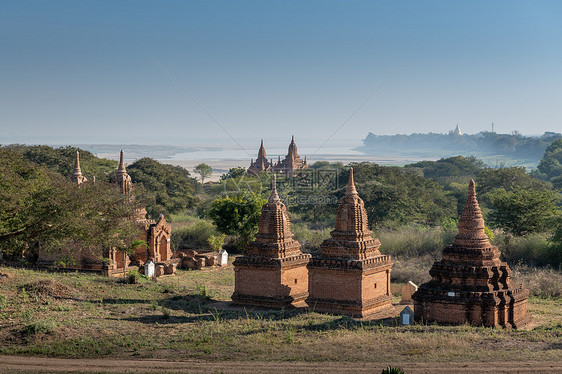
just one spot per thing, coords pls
(21, 364)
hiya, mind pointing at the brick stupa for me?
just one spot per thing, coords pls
(77, 176)
(471, 284)
(350, 276)
(273, 271)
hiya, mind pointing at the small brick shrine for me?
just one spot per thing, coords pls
(350, 276)
(471, 284)
(273, 272)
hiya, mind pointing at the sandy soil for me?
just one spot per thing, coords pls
(20, 364)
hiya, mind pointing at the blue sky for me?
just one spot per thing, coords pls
(88, 71)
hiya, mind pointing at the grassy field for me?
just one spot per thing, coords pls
(186, 317)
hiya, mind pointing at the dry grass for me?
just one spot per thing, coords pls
(178, 317)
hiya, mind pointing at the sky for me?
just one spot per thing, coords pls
(189, 72)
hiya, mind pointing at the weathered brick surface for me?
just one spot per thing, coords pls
(350, 275)
(273, 272)
(471, 284)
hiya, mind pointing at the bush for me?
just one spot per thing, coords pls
(133, 276)
(39, 327)
(310, 239)
(195, 236)
(540, 282)
(415, 241)
(415, 269)
(533, 249)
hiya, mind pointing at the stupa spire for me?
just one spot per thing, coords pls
(77, 170)
(350, 189)
(471, 223)
(77, 176)
(121, 169)
(121, 178)
(274, 197)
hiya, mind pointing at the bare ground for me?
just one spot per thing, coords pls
(21, 364)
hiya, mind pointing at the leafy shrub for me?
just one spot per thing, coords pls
(133, 276)
(414, 241)
(39, 327)
(533, 249)
(310, 240)
(195, 236)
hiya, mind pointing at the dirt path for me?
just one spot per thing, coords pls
(21, 364)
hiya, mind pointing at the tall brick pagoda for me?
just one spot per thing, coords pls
(273, 272)
(291, 162)
(261, 163)
(121, 178)
(471, 284)
(350, 276)
(77, 176)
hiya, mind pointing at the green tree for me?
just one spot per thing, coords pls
(551, 163)
(507, 178)
(216, 242)
(233, 173)
(450, 170)
(61, 160)
(523, 211)
(395, 194)
(164, 188)
(41, 209)
(237, 216)
(204, 171)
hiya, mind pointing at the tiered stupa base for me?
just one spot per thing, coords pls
(471, 284)
(271, 282)
(506, 308)
(358, 288)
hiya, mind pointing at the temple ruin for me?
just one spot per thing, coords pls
(156, 234)
(471, 284)
(273, 271)
(350, 275)
(261, 163)
(291, 163)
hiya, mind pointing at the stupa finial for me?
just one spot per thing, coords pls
(350, 189)
(274, 197)
(77, 170)
(121, 169)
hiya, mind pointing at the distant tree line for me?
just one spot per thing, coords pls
(485, 143)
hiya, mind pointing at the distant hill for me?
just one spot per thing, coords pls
(490, 146)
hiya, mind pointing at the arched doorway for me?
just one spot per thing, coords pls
(163, 248)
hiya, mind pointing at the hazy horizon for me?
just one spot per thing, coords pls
(187, 72)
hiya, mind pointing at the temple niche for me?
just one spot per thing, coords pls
(471, 284)
(350, 276)
(291, 163)
(273, 271)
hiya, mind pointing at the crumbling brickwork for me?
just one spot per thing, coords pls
(471, 284)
